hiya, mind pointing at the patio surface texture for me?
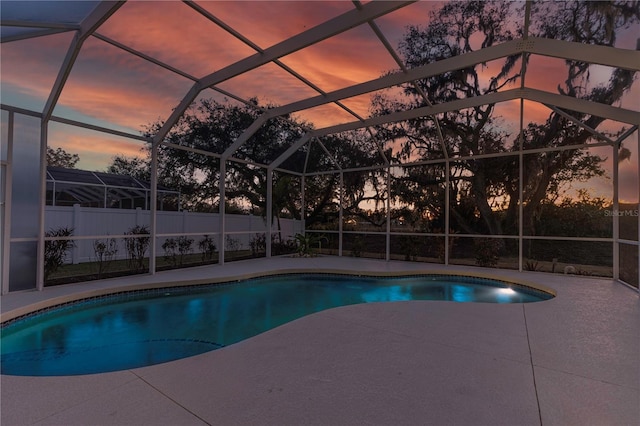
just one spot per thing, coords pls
(572, 360)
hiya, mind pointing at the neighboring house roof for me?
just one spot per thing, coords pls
(85, 186)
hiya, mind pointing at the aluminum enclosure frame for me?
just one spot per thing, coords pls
(360, 15)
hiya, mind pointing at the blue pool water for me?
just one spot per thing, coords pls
(136, 329)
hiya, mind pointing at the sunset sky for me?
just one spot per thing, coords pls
(112, 88)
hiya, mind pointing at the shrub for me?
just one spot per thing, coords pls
(184, 247)
(170, 246)
(410, 246)
(207, 247)
(487, 251)
(258, 244)
(279, 247)
(231, 244)
(357, 246)
(136, 246)
(55, 251)
(105, 252)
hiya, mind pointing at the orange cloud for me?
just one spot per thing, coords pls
(354, 57)
(268, 23)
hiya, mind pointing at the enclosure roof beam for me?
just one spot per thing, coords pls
(331, 157)
(574, 104)
(98, 128)
(32, 34)
(580, 123)
(603, 55)
(289, 152)
(258, 49)
(144, 56)
(567, 102)
(41, 29)
(249, 131)
(38, 24)
(415, 85)
(398, 78)
(73, 123)
(442, 161)
(97, 17)
(590, 53)
(421, 112)
(327, 29)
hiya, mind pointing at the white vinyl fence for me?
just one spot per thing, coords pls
(88, 221)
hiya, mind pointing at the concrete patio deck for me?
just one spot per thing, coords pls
(573, 360)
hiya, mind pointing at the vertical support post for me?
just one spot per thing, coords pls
(616, 216)
(269, 201)
(340, 214)
(521, 189)
(41, 204)
(153, 220)
(302, 204)
(523, 73)
(6, 224)
(387, 254)
(221, 212)
(447, 206)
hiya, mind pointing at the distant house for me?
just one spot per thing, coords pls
(66, 187)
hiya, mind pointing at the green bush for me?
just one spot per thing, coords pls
(105, 252)
(136, 246)
(170, 247)
(55, 251)
(184, 247)
(207, 247)
(487, 251)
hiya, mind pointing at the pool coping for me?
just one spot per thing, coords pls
(57, 301)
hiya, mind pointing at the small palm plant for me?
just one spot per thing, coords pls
(306, 243)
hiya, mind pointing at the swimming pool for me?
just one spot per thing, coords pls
(139, 328)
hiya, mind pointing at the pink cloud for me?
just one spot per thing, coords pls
(85, 142)
(325, 115)
(113, 86)
(174, 33)
(270, 83)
